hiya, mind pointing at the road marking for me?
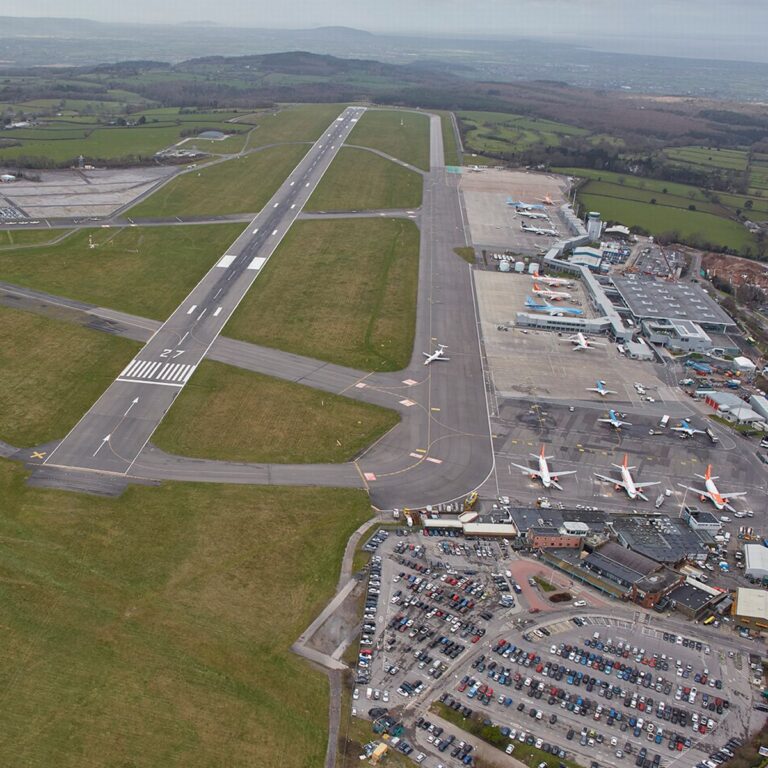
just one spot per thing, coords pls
(255, 230)
(257, 262)
(307, 184)
(407, 403)
(361, 385)
(192, 309)
(434, 461)
(156, 383)
(369, 476)
(200, 316)
(421, 450)
(275, 205)
(434, 409)
(416, 455)
(216, 295)
(293, 206)
(217, 312)
(104, 441)
(292, 183)
(38, 454)
(409, 382)
(225, 261)
(274, 232)
(133, 402)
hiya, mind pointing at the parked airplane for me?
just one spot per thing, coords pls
(547, 200)
(552, 281)
(533, 215)
(539, 230)
(719, 500)
(438, 354)
(634, 490)
(601, 390)
(549, 478)
(521, 206)
(548, 294)
(551, 310)
(581, 342)
(614, 420)
(686, 430)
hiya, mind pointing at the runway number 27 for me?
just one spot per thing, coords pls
(172, 353)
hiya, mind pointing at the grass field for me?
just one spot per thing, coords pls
(404, 135)
(358, 180)
(12, 237)
(691, 226)
(47, 385)
(709, 157)
(297, 122)
(500, 133)
(236, 415)
(143, 271)
(154, 629)
(242, 185)
(342, 290)
(62, 142)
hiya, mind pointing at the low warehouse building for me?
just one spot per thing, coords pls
(755, 561)
(750, 609)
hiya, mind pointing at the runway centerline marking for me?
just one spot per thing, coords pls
(192, 309)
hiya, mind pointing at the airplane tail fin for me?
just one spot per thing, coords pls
(708, 474)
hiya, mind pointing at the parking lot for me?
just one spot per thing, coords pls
(457, 622)
(494, 224)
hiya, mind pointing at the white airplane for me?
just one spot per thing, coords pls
(552, 281)
(533, 215)
(548, 478)
(539, 230)
(521, 206)
(438, 354)
(601, 390)
(547, 200)
(686, 430)
(547, 294)
(614, 420)
(719, 500)
(582, 342)
(634, 490)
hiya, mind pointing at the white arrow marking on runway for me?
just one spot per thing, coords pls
(104, 441)
(133, 402)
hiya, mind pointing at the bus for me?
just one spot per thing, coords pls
(664, 421)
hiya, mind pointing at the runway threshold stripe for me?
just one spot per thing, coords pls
(189, 373)
(142, 369)
(129, 367)
(217, 312)
(168, 375)
(226, 261)
(257, 262)
(152, 370)
(145, 381)
(162, 371)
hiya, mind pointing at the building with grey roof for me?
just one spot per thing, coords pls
(755, 561)
(649, 299)
(663, 539)
(677, 335)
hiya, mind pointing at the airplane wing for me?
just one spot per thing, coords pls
(640, 486)
(527, 470)
(733, 495)
(562, 474)
(615, 481)
(555, 484)
(695, 490)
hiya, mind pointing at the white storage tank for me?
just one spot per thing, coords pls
(504, 266)
(519, 266)
(533, 268)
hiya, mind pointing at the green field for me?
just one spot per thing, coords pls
(709, 157)
(499, 133)
(297, 122)
(694, 227)
(401, 134)
(62, 140)
(51, 372)
(12, 237)
(242, 185)
(154, 629)
(358, 180)
(143, 271)
(666, 199)
(235, 415)
(342, 290)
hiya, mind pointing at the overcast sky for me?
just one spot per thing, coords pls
(704, 21)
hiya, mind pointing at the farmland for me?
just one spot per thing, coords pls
(143, 271)
(241, 185)
(386, 184)
(709, 157)
(295, 304)
(161, 619)
(401, 134)
(222, 408)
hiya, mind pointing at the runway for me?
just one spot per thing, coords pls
(440, 451)
(115, 430)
